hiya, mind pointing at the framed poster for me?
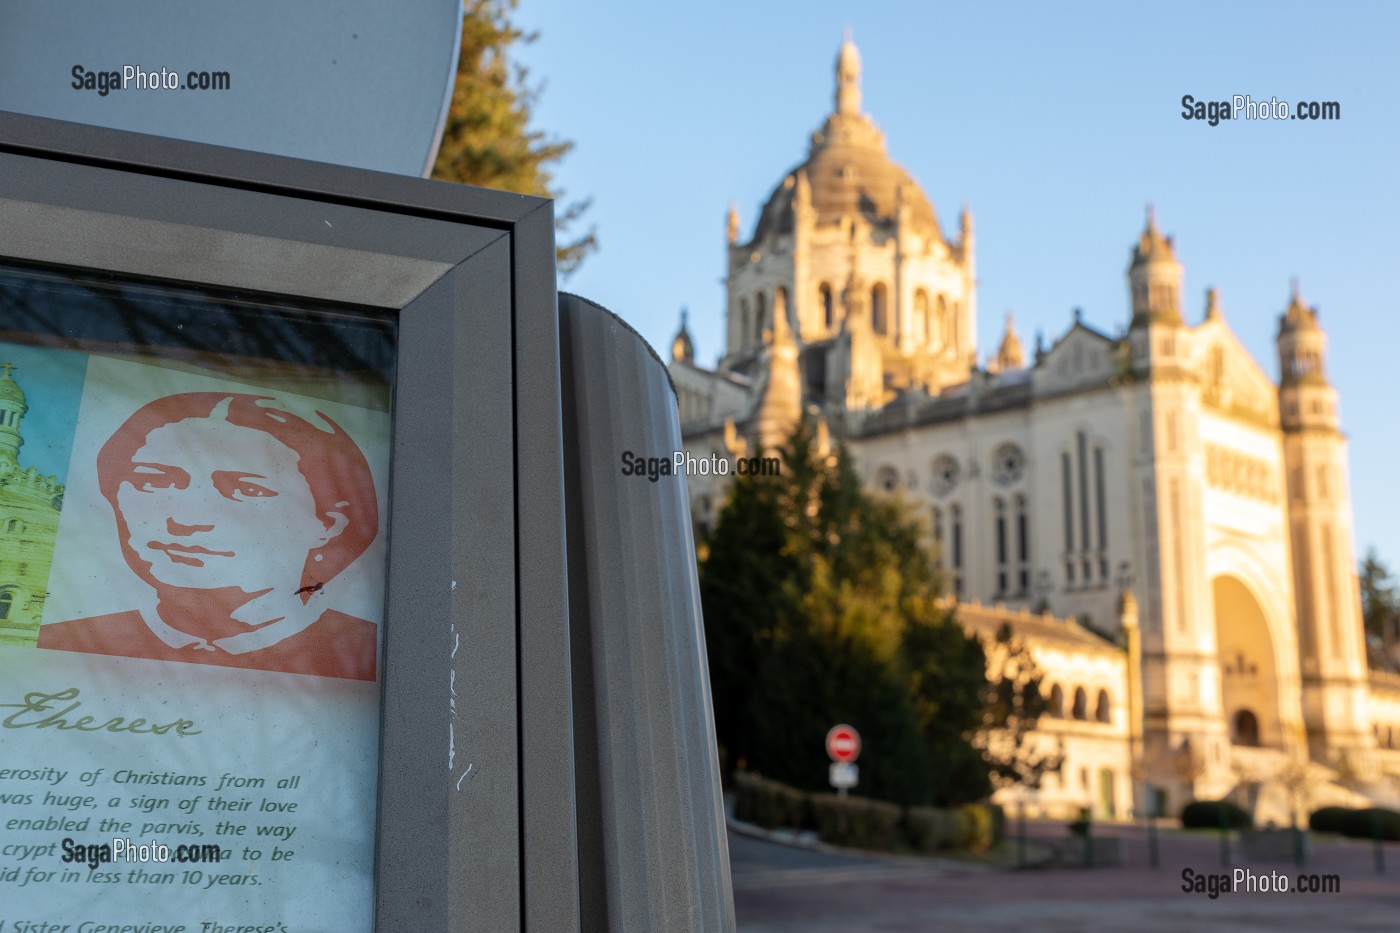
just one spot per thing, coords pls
(192, 545)
(268, 657)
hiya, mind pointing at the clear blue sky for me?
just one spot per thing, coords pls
(1056, 123)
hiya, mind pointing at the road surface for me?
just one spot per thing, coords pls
(780, 889)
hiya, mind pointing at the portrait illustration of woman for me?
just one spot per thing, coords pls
(238, 515)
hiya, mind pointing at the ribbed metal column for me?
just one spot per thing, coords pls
(653, 854)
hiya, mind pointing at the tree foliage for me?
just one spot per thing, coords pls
(820, 608)
(487, 140)
(1380, 604)
(1014, 707)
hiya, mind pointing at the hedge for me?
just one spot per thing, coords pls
(1211, 814)
(864, 823)
(1328, 819)
(1363, 824)
(855, 821)
(769, 804)
(930, 829)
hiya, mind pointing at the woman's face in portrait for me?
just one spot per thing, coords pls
(209, 504)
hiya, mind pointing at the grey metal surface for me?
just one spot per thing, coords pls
(652, 844)
(350, 82)
(483, 828)
(449, 841)
(219, 257)
(238, 169)
(547, 812)
(413, 867)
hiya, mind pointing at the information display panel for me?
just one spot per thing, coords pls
(193, 522)
(408, 313)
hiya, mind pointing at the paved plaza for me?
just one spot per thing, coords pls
(781, 888)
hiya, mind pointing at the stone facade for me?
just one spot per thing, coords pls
(1161, 461)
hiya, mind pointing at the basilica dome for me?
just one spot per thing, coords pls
(848, 178)
(848, 170)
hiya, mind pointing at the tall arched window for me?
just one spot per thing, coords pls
(744, 330)
(957, 551)
(828, 305)
(1103, 710)
(1100, 503)
(7, 602)
(1081, 704)
(1067, 501)
(780, 303)
(879, 309)
(944, 327)
(1057, 702)
(999, 510)
(1023, 548)
(938, 535)
(923, 326)
(760, 317)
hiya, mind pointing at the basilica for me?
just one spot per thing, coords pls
(29, 507)
(1167, 528)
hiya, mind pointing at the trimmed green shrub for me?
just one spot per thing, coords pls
(768, 803)
(1328, 819)
(929, 829)
(1212, 814)
(975, 826)
(981, 831)
(1364, 824)
(962, 829)
(855, 821)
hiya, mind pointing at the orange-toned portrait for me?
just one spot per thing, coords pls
(237, 515)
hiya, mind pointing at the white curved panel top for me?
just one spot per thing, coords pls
(363, 83)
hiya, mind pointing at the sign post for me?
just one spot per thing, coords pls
(843, 747)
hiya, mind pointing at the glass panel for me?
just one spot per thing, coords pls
(193, 511)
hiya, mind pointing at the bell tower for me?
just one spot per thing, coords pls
(1183, 716)
(1331, 636)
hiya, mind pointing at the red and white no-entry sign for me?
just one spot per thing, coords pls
(843, 743)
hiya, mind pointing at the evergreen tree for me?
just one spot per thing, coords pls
(1380, 605)
(487, 140)
(820, 608)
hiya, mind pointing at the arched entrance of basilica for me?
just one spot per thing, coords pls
(1249, 676)
(1260, 688)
